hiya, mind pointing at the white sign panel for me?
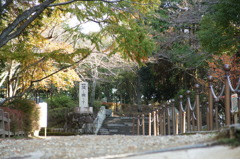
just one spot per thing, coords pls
(83, 94)
(234, 103)
(43, 114)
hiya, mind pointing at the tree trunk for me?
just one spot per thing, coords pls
(139, 103)
(92, 97)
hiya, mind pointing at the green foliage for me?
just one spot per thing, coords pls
(57, 116)
(97, 105)
(158, 21)
(59, 106)
(184, 55)
(131, 40)
(121, 23)
(179, 61)
(58, 113)
(220, 29)
(148, 82)
(126, 84)
(31, 113)
(61, 101)
(224, 138)
(158, 83)
(57, 133)
(231, 142)
(50, 133)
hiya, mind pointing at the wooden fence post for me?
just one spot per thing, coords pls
(143, 124)
(173, 117)
(198, 116)
(138, 125)
(227, 69)
(157, 120)
(210, 104)
(177, 115)
(164, 120)
(154, 124)
(188, 113)
(149, 124)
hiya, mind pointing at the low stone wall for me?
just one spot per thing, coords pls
(79, 123)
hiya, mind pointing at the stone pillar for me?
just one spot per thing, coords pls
(83, 99)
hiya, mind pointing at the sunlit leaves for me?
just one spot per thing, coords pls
(122, 24)
(40, 53)
(130, 40)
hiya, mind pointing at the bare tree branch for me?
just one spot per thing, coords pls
(18, 95)
(63, 68)
(72, 1)
(35, 81)
(13, 30)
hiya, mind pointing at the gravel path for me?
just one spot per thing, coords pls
(91, 146)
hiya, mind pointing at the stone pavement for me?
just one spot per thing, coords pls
(116, 146)
(213, 152)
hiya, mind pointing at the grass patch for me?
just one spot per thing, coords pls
(57, 134)
(229, 136)
(231, 142)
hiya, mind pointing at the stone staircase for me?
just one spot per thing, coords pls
(116, 126)
(122, 126)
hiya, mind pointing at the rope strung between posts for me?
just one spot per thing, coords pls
(190, 105)
(230, 84)
(168, 112)
(139, 121)
(194, 116)
(181, 106)
(213, 93)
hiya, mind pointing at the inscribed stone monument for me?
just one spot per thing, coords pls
(83, 99)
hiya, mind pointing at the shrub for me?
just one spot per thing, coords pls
(61, 101)
(97, 105)
(30, 113)
(59, 106)
(57, 117)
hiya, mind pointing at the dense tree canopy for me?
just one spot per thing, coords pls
(220, 28)
(36, 43)
(31, 50)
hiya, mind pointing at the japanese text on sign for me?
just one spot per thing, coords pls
(83, 94)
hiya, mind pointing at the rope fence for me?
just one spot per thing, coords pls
(172, 118)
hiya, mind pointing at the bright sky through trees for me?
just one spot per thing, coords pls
(86, 27)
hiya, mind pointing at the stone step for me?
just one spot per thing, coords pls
(104, 133)
(119, 122)
(103, 129)
(116, 131)
(122, 118)
(116, 125)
